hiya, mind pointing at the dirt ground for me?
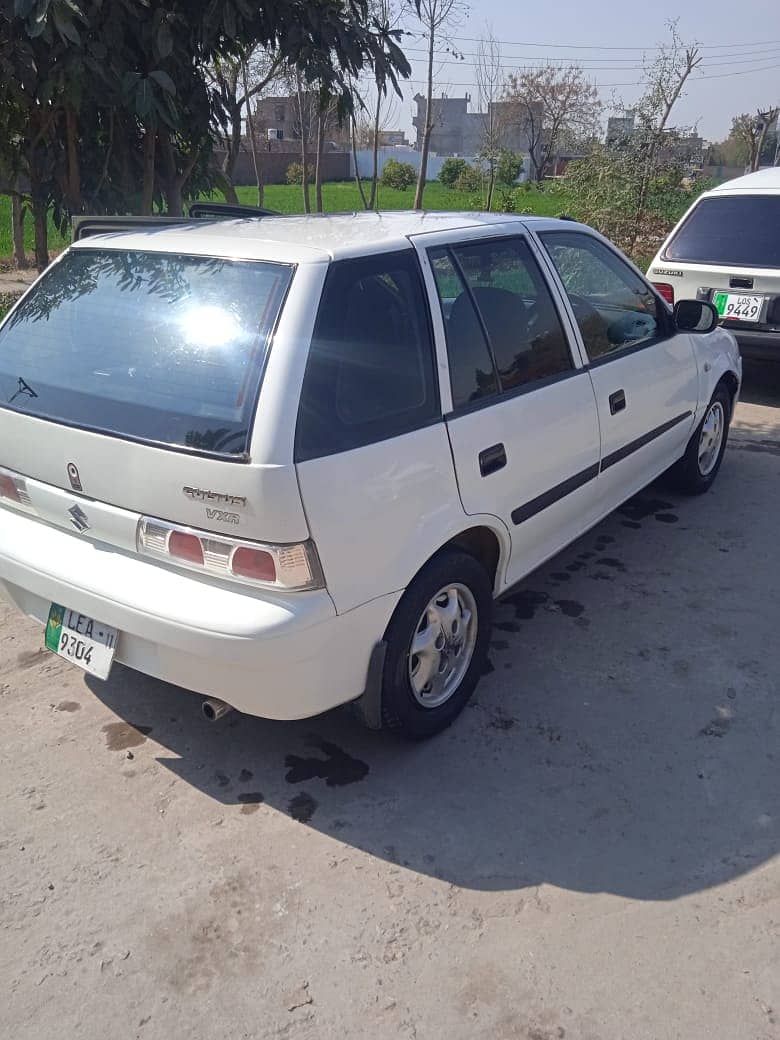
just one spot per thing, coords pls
(590, 853)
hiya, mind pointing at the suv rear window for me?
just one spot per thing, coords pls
(735, 230)
(155, 347)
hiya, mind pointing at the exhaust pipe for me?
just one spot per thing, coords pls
(215, 709)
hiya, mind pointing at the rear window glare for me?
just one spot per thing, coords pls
(162, 348)
(733, 230)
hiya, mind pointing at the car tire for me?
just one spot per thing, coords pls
(446, 614)
(696, 470)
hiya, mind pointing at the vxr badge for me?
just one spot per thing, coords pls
(79, 518)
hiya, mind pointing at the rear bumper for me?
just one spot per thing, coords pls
(279, 657)
(757, 346)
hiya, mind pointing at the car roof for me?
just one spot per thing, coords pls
(303, 239)
(767, 180)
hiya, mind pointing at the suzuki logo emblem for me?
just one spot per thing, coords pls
(79, 518)
(73, 477)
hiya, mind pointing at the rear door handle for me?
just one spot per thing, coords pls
(492, 459)
(617, 401)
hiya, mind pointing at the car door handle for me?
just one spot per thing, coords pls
(492, 459)
(617, 401)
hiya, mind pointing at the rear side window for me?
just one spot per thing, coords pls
(370, 371)
(502, 327)
(735, 230)
(161, 348)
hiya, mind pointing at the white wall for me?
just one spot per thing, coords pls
(405, 153)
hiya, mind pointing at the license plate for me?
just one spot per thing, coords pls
(81, 640)
(738, 306)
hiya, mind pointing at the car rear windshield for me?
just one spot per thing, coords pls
(149, 346)
(734, 230)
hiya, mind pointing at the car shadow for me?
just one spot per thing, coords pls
(621, 743)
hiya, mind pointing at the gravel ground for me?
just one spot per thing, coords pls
(591, 853)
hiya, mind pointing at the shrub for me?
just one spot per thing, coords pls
(399, 175)
(450, 171)
(470, 179)
(508, 168)
(294, 174)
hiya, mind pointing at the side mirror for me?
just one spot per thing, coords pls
(695, 316)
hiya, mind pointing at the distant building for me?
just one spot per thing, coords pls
(456, 131)
(278, 121)
(620, 128)
(388, 138)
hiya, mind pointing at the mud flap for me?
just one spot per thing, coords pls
(368, 706)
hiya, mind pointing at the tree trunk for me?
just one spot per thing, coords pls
(147, 195)
(491, 185)
(232, 151)
(426, 143)
(172, 183)
(304, 151)
(372, 201)
(252, 139)
(17, 228)
(318, 161)
(74, 171)
(40, 225)
(358, 181)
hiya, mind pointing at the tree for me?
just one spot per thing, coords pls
(111, 94)
(751, 132)
(436, 17)
(490, 85)
(239, 78)
(555, 103)
(634, 192)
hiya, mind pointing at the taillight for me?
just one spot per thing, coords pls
(13, 489)
(257, 564)
(666, 290)
(8, 488)
(185, 546)
(292, 567)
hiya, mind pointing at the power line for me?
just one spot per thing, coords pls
(638, 83)
(512, 58)
(595, 47)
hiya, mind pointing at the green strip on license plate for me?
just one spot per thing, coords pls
(720, 300)
(54, 627)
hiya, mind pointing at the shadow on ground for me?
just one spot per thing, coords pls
(624, 741)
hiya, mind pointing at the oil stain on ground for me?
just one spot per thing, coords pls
(643, 506)
(337, 768)
(610, 561)
(302, 807)
(68, 706)
(123, 735)
(526, 602)
(570, 607)
(250, 801)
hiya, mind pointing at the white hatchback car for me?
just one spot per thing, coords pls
(726, 249)
(290, 462)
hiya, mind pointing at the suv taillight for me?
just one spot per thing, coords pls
(666, 290)
(290, 567)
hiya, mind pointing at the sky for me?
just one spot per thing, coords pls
(740, 46)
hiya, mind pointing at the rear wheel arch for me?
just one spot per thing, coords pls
(483, 544)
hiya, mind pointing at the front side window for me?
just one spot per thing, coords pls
(370, 372)
(150, 346)
(502, 328)
(615, 308)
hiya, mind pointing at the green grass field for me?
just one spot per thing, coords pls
(337, 196)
